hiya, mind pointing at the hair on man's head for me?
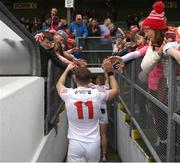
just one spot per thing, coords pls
(101, 79)
(48, 36)
(58, 49)
(82, 75)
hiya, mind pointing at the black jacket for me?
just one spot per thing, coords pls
(46, 55)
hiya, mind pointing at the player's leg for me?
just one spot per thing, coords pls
(104, 140)
(92, 151)
(103, 132)
(75, 152)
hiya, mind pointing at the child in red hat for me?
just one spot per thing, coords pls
(173, 48)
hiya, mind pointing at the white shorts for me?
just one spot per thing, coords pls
(79, 151)
(103, 117)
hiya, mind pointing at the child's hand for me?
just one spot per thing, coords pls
(115, 59)
(80, 62)
(166, 40)
(160, 51)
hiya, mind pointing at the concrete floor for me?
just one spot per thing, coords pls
(112, 156)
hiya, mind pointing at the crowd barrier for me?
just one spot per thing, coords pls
(154, 113)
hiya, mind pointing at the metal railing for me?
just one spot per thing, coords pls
(155, 113)
(95, 49)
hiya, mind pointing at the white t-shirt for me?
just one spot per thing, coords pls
(174, 45)
(102, 87)
(94, 86)
(83, 110)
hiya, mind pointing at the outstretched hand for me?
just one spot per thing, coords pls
(73, 50)
(39, 37)
(117, 63)
(107, 65)
(115, 59)
(80, 62)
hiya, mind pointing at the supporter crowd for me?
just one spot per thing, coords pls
(57, 38)
(60, 35)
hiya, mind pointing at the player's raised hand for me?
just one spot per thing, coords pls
(107, 65)
(70, 66)
(119, 66)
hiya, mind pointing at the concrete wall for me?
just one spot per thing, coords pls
(22, 123)
(21, 117)
(129, 149)
(53, 148)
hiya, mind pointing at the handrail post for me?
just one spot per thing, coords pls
(47, 95)
(171, 110)
(69, 15)
(132, 87)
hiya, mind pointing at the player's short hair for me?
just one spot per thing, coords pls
(101, 79)
(83, 75)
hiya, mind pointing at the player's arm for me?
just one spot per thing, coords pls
(60, 84)
(106, 78)
(114, 91)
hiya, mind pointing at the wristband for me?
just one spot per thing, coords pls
(110, 73)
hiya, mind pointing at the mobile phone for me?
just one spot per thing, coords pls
(171, 35)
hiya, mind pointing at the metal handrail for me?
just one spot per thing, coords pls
(95, 37)
(97, 51)
(94, 52)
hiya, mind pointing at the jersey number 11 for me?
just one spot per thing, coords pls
(79, 105)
